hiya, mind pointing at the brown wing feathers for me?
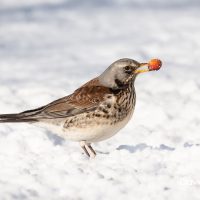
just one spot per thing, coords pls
(86, 98)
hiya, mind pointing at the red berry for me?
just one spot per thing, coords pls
(154, 64)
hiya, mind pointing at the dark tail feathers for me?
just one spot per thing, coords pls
(27, 116)
(15, 118)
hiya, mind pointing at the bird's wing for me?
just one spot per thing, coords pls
(84, 99)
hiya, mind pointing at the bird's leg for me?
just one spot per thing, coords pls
(83, 146)
(90, 150)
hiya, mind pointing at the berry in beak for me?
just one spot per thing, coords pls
(152, 65)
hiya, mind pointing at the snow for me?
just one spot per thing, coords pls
(49, 48)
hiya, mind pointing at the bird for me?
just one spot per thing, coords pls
(95, 111)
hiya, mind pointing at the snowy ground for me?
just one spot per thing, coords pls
(49, 48)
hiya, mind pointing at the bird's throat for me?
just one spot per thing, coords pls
(120, 85)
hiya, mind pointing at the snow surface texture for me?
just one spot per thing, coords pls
(49, 48)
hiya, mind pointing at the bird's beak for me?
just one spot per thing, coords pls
(143, 67)
(152, 65)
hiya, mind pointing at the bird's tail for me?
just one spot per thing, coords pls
(6, 118)
(27, 116)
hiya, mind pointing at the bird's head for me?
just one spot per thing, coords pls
(122, 72)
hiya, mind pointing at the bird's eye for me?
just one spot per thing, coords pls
(128, 69)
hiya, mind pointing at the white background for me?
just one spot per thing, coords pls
(49, 48)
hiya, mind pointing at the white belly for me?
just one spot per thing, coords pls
(94, 133)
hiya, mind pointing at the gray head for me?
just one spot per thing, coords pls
(121, 73)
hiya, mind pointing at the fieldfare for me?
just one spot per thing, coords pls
(94, 112)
